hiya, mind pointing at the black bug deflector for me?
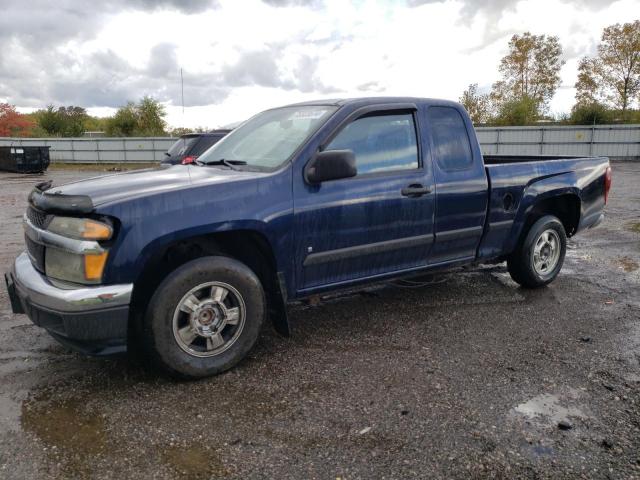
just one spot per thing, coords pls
(58, 202)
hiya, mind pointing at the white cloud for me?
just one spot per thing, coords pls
(241, 57)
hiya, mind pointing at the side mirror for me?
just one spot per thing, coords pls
(331, 165)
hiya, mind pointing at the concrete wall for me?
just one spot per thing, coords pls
(615, 141)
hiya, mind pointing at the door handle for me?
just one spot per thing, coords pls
(415, 190)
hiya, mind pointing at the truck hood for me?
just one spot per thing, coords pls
(126, 185)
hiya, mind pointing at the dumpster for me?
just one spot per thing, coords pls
(23, 159)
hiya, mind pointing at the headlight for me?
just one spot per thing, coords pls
(74, 267)
(80, 228)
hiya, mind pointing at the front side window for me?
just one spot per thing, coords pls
(267, 140)
(451, 141)
(380, 142)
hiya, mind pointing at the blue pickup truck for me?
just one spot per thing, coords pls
(188, 261)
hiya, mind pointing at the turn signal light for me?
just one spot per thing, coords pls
(80, 228)
(96, 230)
(94, 265)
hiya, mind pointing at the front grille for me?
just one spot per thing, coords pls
(36, 253)
(38, 218)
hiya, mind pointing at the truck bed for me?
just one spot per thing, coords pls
(517, 181)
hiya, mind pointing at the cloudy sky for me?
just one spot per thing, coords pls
(239, 57)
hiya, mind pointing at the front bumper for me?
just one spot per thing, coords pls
(92, 320)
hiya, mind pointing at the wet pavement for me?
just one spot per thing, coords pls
(460, 375)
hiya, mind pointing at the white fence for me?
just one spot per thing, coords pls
(614, 141)
(99, 150)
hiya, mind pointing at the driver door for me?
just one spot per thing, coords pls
(377, 222)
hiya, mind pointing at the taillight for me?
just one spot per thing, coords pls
(188, 160)
(607, 184)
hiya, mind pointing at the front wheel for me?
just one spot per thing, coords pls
(204, 317)
(537, 261)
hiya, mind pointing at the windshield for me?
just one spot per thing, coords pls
(267, 140)
(181, 145)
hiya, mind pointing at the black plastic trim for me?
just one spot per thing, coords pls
(94, 348)
(14, 299)
(450, 235)
(368, 249)
(59, 203)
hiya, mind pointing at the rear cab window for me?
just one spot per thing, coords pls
(205, 142)
(451, 144)
(381, 142)
(182, 145)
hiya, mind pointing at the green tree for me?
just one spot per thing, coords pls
(476, 104)
(73, 119)
(530, 74)
(613, 75)
(48, 120)
(151, 115)
(63, 121)
(178, 131)
(146, 118)
(586, 85)
(518, 111)
(591, 113)
(95, 124)
(124, 123)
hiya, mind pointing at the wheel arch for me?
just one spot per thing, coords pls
(565, 204)
(250, 246)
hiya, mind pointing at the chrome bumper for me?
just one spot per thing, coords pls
(93, 320)
(37, 289)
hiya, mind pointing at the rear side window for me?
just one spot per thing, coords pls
(452, 148)
(380, 142)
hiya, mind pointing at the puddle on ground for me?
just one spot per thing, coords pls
(194, 462)
(551, 407)
(578, 255)
(627, 264)
(71, 435)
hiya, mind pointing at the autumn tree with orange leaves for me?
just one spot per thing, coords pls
(14, 123)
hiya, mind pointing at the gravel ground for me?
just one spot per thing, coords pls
(466, 376)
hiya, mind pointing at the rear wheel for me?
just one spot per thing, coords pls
(539, 258)
(204, 317)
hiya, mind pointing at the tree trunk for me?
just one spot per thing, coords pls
(625, 99)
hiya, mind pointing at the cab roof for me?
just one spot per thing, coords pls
(364, 101)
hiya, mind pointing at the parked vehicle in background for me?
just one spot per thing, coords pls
(24, 159)
(190, 146)
(296, 201)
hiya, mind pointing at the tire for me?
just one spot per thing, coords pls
(198, 337)
(527, 263)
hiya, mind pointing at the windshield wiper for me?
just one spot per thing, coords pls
(228, 163)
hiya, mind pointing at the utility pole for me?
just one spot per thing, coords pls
(182, 90)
